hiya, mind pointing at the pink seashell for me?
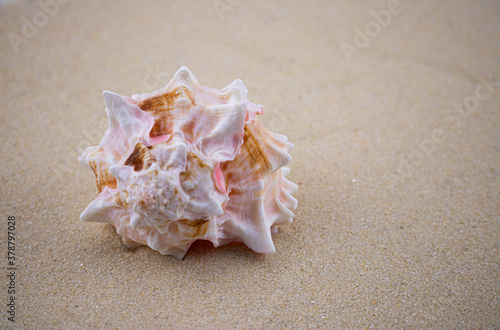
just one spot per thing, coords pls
(190, 162)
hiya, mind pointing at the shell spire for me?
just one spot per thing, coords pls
(190, 162)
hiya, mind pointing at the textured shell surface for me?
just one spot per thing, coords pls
(189, 162)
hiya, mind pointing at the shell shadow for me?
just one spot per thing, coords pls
(199, 251)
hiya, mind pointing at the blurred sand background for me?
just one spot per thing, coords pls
(398, 217)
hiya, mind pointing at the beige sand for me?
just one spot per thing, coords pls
(385, 235)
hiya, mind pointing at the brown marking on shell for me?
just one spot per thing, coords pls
(161, 106)
(252, 159)
(196, 228)
(103, 177)
(141, 158)
(152, 174)
(121, 199)
(193, 165)
(254, 150)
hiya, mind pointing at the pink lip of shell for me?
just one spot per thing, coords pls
(237, 209)
(219, 179)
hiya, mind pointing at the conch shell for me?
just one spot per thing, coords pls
(190, 162)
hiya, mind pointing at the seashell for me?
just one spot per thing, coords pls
(190, 162)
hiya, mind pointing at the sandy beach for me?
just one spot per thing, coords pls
(393, 109)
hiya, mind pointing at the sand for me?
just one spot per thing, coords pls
(398, 217)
